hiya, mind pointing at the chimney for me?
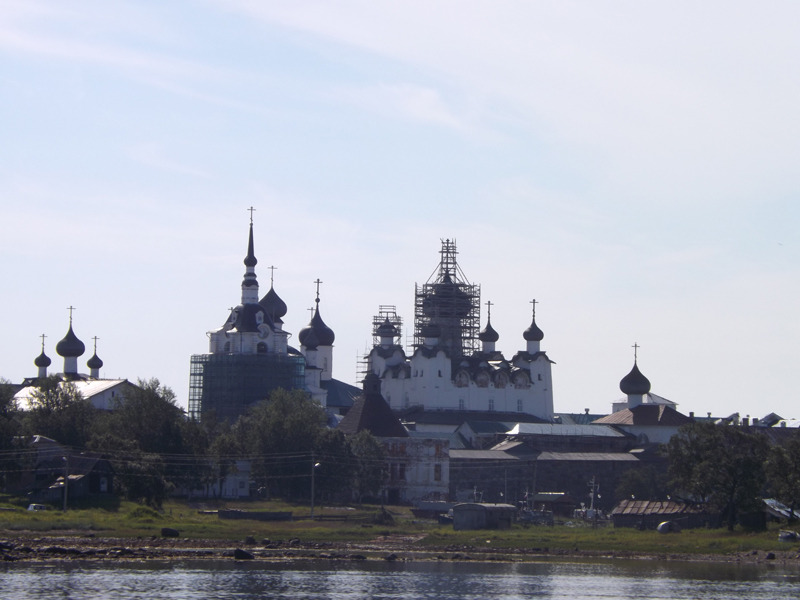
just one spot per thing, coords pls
(691, 414)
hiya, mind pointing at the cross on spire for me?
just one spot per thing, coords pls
(43, 336)
(489, 305)
(271, 274)
(534, 302)
(95, 338)
(635, 351)
(251, 210)
(70, 309)
(317, 282)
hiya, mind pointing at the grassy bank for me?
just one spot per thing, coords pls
(194, 521)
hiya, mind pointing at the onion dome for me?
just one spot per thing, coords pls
(324, 333)
(386, 329)
(42, 360)
(634, 383)
(70, 346)
(94, 362)
(533, 333)
(308, 337)
(272, 303)
(447, 301)
(488, 334)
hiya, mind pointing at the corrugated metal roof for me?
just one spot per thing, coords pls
(654, 507)
(564, 430)
(588, 456)
(480, 455)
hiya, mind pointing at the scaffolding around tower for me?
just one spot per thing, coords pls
(449, 306)
(386, 311)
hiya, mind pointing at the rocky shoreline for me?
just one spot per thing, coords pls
(386, 548)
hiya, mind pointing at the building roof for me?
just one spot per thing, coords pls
(480, 455)
(371, 412)
(456, 417)
(646, 415)
(456, 440)
(655, 507)
(588, 456)
(584, 418)
(340, 394)
(564, 430)
(88, 389)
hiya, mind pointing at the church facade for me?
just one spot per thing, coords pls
(454, 365)
(249, 355)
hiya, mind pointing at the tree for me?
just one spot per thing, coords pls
(370, 460)
(144, 438)
(646, 483)
(720, 465)
(10, 429)
(783, 473)
(278, 435)
(59, 411)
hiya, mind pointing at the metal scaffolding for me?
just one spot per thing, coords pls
(451, 303)
(229, 383)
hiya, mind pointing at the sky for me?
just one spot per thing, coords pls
(630, 165)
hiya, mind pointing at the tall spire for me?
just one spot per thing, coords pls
(250, 283)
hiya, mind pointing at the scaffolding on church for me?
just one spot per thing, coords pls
(448, 300)
(228, 384)
(386, 311)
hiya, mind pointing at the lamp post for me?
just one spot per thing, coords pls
(314, 465)
(66, 479)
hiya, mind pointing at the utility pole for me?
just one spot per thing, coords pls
(314, 466)
(66, 479)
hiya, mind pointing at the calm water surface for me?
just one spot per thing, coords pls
(442, 581)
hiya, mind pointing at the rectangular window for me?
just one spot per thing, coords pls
(519, 405)
(401, 472)
(437, 472)
(491, 403)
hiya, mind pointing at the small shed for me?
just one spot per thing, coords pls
(475, 515)
(647, 514)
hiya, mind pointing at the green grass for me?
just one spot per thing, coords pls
(119, 518)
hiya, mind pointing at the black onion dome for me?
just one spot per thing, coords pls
(447, 300)
(70, 346)
(386, 329)
(634, 383)
(42, 360)
(324, 333)
(533, 333)
(250, 316)
(308, 337)
(94, 362)
(488, 334)
(272, 303)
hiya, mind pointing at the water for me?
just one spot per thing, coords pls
(178, 580)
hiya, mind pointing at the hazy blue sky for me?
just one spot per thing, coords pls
(631, 165)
